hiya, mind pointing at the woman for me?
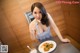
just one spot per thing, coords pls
(40, 26)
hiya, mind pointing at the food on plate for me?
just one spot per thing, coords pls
(47, 46)
(46, 49)
(51, 45)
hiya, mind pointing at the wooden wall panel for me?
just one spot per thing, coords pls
(72, 20)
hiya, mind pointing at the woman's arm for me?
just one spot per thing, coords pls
(53, 25)
(32, 32)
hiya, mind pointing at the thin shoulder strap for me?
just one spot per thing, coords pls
(37, 27)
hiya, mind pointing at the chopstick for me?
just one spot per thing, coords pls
(29, 47)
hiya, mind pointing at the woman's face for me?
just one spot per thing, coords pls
(37, 13)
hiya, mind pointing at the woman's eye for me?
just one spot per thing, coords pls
(39, 12)
(34, 12)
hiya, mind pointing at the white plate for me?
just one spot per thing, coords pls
(41, 49)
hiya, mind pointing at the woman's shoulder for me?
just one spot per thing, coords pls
(49, 17)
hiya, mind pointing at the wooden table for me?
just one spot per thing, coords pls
(61, 47)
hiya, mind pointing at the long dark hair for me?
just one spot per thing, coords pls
(44, 19)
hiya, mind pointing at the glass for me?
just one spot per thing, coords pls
(33, 50)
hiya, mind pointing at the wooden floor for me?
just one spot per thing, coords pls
(73, 42)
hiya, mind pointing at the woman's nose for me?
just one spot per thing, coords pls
(38, 15)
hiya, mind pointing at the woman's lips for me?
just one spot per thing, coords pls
(39, 18)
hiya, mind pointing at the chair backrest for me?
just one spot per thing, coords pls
(29, 16)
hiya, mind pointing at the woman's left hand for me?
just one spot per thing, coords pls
(65, 40)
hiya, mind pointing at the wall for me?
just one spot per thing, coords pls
(14, 30)
(72, 20)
